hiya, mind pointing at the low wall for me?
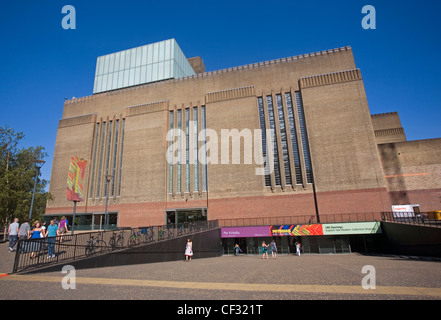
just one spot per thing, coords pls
(411, 239)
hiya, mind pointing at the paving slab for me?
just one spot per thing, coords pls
(247, 277)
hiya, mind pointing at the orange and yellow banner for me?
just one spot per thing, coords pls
(297, 230)
(75, 179)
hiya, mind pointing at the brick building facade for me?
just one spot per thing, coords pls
(330, 154)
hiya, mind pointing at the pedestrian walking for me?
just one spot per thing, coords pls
(264, 250)
(51, 234)
(24, 234)
(188, 250)
(25, 229)
(35, 245)
(237, 250)
(13, 234)
(43, 226)
(298, 246)
(62, 227)
(273, 249)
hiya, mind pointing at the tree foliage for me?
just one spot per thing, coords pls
(17, 176)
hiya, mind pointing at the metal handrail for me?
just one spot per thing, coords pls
(34, 253)
(422, 218)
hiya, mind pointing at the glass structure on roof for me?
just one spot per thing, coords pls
(149, 63)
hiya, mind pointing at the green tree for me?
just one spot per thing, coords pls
(17, 176)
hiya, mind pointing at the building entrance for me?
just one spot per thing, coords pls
(230, 244)
(253, 245)
(98, 221)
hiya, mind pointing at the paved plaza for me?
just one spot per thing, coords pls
(334, 276)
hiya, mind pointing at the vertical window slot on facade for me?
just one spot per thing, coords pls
(303, 133)
(272, 123)
(294, 141)
(264, 143)
(187, 150)
(100, 163)
(95, 147)
(195, 149)
(204, 166)
(179, 151)
(105, 159)
(115, 148)
(283, 139)
(121, 157)
(109, 145)
(170, 165)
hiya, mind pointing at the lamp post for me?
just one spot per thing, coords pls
(38, 165)
(73, 217)
(109, 178)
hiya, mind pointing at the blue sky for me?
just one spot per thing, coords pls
(42, 63)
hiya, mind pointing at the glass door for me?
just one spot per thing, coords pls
(98, 221)
(171, 217)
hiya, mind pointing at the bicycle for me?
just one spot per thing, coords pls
(148, 234)
(134, 239)
(95, 244)
(161, 234)
(116, 241)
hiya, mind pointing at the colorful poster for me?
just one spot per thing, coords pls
(75, 179)
(326, 229)
(308, 230)
(283, 230)
(245, 232)
(297, 230)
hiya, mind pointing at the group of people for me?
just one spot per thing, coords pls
(39, 231)
(272, 246)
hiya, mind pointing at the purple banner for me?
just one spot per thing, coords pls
(245, 232)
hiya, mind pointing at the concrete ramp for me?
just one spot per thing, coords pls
(206, 244)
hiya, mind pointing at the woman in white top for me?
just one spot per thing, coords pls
(188, 250)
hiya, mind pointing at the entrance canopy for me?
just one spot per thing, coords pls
(326, 229)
